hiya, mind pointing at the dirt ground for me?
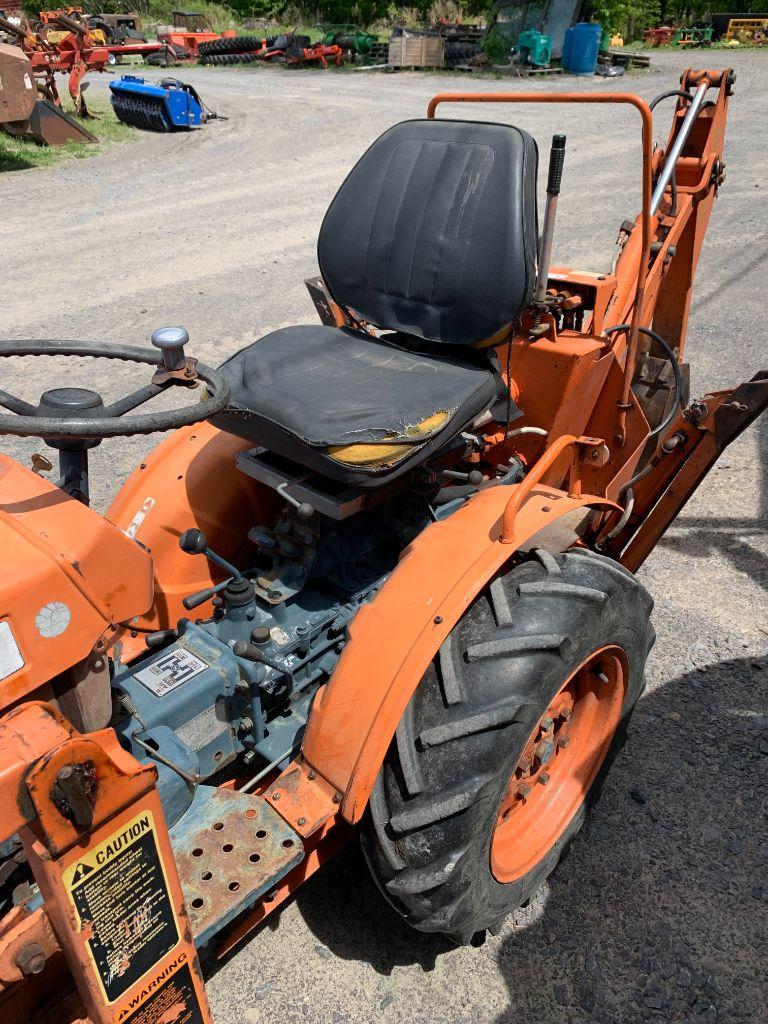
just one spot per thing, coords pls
(660, 911)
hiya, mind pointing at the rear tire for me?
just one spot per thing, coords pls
(435, 839)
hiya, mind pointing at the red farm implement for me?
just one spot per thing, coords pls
(318, 53)
(294, 50)
(74, 54)
(189, 30)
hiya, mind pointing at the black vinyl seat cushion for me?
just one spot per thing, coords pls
(433, 233)
(432, 236)
(305, 391)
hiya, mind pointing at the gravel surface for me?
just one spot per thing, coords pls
(659, 913)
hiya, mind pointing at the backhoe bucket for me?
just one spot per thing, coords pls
(50, 126)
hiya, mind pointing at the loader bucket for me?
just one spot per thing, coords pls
(50, 126)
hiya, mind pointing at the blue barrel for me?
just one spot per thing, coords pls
(581, 47)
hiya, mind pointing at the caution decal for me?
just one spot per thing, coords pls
(120, 893)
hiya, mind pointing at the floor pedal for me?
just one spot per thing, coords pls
(230, 849)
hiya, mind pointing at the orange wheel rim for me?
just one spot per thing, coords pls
(559, 764)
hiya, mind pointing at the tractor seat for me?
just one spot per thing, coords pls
(348, 405)
(432, 237)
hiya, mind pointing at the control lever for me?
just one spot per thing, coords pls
(194, 542)
(304, 509)
(192, 601)
(250, 651)
(556, 161)
(474, 477)
(161, 637)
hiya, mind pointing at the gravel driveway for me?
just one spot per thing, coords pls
(660, 911)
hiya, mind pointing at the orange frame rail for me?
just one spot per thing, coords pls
(537, 473)
(646, 115)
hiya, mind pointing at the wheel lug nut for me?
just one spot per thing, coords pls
(603, 677)
(543, 779)
(545, 749)
(524, 790)
(546, 723)
(563, 742)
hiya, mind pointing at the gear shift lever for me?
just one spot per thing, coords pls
(238, 591)
(194, 542)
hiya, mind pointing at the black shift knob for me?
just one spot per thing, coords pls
(194, 542)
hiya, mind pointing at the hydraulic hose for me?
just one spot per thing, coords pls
(628, 488)
(667, 349)
(666, 95)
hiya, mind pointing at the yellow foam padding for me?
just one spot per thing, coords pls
(377, 455)
(505, 334)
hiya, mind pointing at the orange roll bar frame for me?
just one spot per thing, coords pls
(646, 220)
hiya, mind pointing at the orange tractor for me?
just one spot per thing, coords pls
(378, 581)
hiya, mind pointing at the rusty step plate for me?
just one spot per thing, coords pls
(230, 849)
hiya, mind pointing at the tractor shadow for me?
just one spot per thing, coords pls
(734, 538)
(654, 913)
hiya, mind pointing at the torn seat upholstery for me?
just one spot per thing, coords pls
(433, 237)
(347, 404)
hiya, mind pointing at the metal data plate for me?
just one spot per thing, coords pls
(230, 849)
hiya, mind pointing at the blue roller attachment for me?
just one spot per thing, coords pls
(166, 106)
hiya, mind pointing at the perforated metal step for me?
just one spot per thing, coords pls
(230, 849)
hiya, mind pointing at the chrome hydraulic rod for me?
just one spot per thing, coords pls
(677, 147)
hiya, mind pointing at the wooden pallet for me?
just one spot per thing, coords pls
(526, 72)
(521, 70)
(626, 58)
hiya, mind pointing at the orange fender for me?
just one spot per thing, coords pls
(393, 639)
(67, 578)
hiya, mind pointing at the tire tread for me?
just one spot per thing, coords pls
(474, 709)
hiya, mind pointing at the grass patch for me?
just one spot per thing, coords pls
(21, 155)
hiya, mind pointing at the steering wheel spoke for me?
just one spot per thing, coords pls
(133, 401)
(72, 414)
(15, 404)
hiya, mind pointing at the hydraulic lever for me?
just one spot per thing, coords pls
(238, 591)
(556, 161)
(194, 542)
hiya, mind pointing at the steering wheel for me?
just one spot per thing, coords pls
(79, 416)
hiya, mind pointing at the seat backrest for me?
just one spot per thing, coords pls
(434, 232)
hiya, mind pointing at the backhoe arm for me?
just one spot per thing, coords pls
(694, 444)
